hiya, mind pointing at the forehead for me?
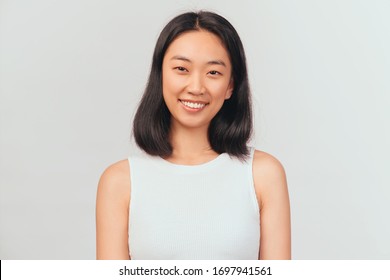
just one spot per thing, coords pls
(198, 45)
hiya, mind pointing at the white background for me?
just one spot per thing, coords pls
(72, 73)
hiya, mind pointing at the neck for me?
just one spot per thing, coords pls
(190, 145)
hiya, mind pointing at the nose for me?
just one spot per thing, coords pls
(195, 85)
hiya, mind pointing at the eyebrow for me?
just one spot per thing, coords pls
(211, 62)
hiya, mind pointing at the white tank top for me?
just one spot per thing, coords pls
(189, 212)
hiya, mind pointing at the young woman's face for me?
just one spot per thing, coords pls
(196, 78)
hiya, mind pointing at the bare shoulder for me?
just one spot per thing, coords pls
(115, 180)
(266, 164)
(117, 169)
(269, 176)
(112, 212)
(272, 194)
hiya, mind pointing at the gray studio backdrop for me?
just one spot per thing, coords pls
(72, 72)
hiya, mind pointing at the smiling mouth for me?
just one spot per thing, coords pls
(193, 105)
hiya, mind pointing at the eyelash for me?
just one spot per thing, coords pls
(182, 69)
(215, 72)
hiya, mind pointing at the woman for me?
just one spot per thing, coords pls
(199, 192)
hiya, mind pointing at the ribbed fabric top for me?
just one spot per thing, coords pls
(188, 212)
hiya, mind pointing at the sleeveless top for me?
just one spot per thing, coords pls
(189, 212)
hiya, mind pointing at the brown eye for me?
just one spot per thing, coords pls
(214, 73)
(181, 69)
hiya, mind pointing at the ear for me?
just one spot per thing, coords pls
(229, 90)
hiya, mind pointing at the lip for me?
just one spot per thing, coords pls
(194, 101)
(192, 110)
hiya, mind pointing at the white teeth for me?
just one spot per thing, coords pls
(193, 105)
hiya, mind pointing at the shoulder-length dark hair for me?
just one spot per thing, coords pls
(231, 128)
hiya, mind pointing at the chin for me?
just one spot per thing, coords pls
(191, 124)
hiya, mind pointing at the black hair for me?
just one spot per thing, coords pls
(231, 128)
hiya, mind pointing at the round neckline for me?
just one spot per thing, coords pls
(193, 166)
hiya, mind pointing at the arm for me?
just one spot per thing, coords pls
(112, 212)
(272, 195)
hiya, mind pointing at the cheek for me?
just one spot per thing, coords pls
(218, 89)
(171, 85)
